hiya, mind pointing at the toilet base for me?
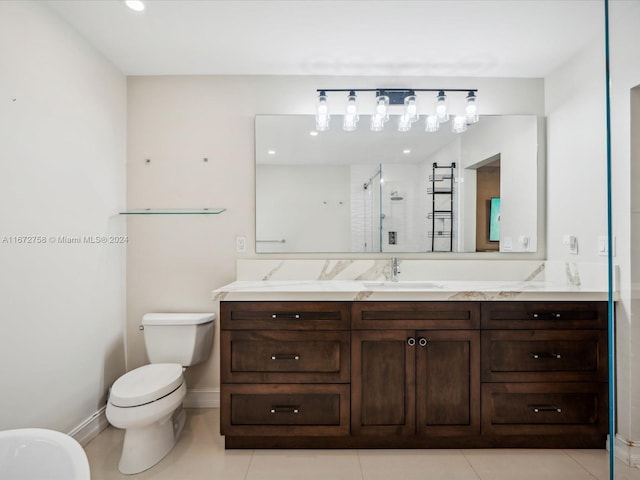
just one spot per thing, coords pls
(145, 446)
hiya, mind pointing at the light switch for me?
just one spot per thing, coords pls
(241, 244)
(523, 240)
(603, 246)
(571, 241)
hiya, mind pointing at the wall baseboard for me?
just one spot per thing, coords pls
(202, 398)
(628, 451)
(96, 423)
(91, 427)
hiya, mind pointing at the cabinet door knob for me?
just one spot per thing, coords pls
(422, 342)
(411, 341)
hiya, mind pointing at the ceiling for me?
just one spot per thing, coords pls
(509, 38)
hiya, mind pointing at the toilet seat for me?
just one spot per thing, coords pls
(146, 384)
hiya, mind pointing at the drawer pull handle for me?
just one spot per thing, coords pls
(285, 409)
(546, 408)
(411, 341)
(422, 342)
(539, 355)
(285, 356)
(286, 316)
(546, 315)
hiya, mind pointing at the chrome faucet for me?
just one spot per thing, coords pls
(395, 269)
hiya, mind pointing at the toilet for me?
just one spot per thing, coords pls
(147, 402)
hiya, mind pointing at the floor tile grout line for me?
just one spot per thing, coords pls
(360, 463)
(470, 464)
(246, 475)
(580, 464)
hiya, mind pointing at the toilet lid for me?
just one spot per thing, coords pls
(146, 384)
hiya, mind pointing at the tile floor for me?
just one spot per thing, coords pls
(200, 454)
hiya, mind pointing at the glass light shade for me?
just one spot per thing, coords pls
(459, 124)
(471, 110)
(411, 108)
(322, 113)
(377, 123)
(441, 108)
(432, 124)
(351, 114)
(404, 123)
(382, 107)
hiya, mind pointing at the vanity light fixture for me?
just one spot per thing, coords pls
(471, 110)
(386, 97)
(135, 5)
(351, 113)
(459, 124)
(322, 112)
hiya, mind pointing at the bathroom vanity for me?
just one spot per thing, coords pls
(378, 366)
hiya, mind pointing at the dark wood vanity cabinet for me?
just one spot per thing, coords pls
(413, 374)
(415, 381)
(544, 370)
(284, 369)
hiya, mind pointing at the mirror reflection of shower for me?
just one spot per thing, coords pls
(372, 218)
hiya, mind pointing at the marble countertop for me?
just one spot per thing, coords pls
(381, 290)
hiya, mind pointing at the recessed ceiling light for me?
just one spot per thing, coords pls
(406, 151)
(313, 133)
(271, 152)
(136, 5)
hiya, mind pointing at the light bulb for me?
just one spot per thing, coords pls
(459, 124)
(351, 114)
(432, 124)
(411, 107)
(471, 110)
(441, 107)
(322, 113)
(382, 103)
(377, 123)
(404, 123)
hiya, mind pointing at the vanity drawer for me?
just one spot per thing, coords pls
(285, 410)
(544, 355)
(416, 315)
(543, 408)
(544, 315)
(285, 315)
(272, 356)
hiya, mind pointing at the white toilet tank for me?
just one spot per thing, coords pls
(184, 338)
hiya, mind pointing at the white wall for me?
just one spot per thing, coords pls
(515, 139)
(173, 263)
(62, 174)
(577, 194)
(308, 206)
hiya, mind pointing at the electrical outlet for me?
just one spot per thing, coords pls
(241, 244)
(507, 244)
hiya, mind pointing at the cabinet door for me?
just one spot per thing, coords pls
(382, 382)
(448, 382)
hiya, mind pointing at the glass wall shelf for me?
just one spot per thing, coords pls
(173, 211)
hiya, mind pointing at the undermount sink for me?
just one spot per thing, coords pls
(401, 285)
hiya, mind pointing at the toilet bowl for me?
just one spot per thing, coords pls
(147, 402)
